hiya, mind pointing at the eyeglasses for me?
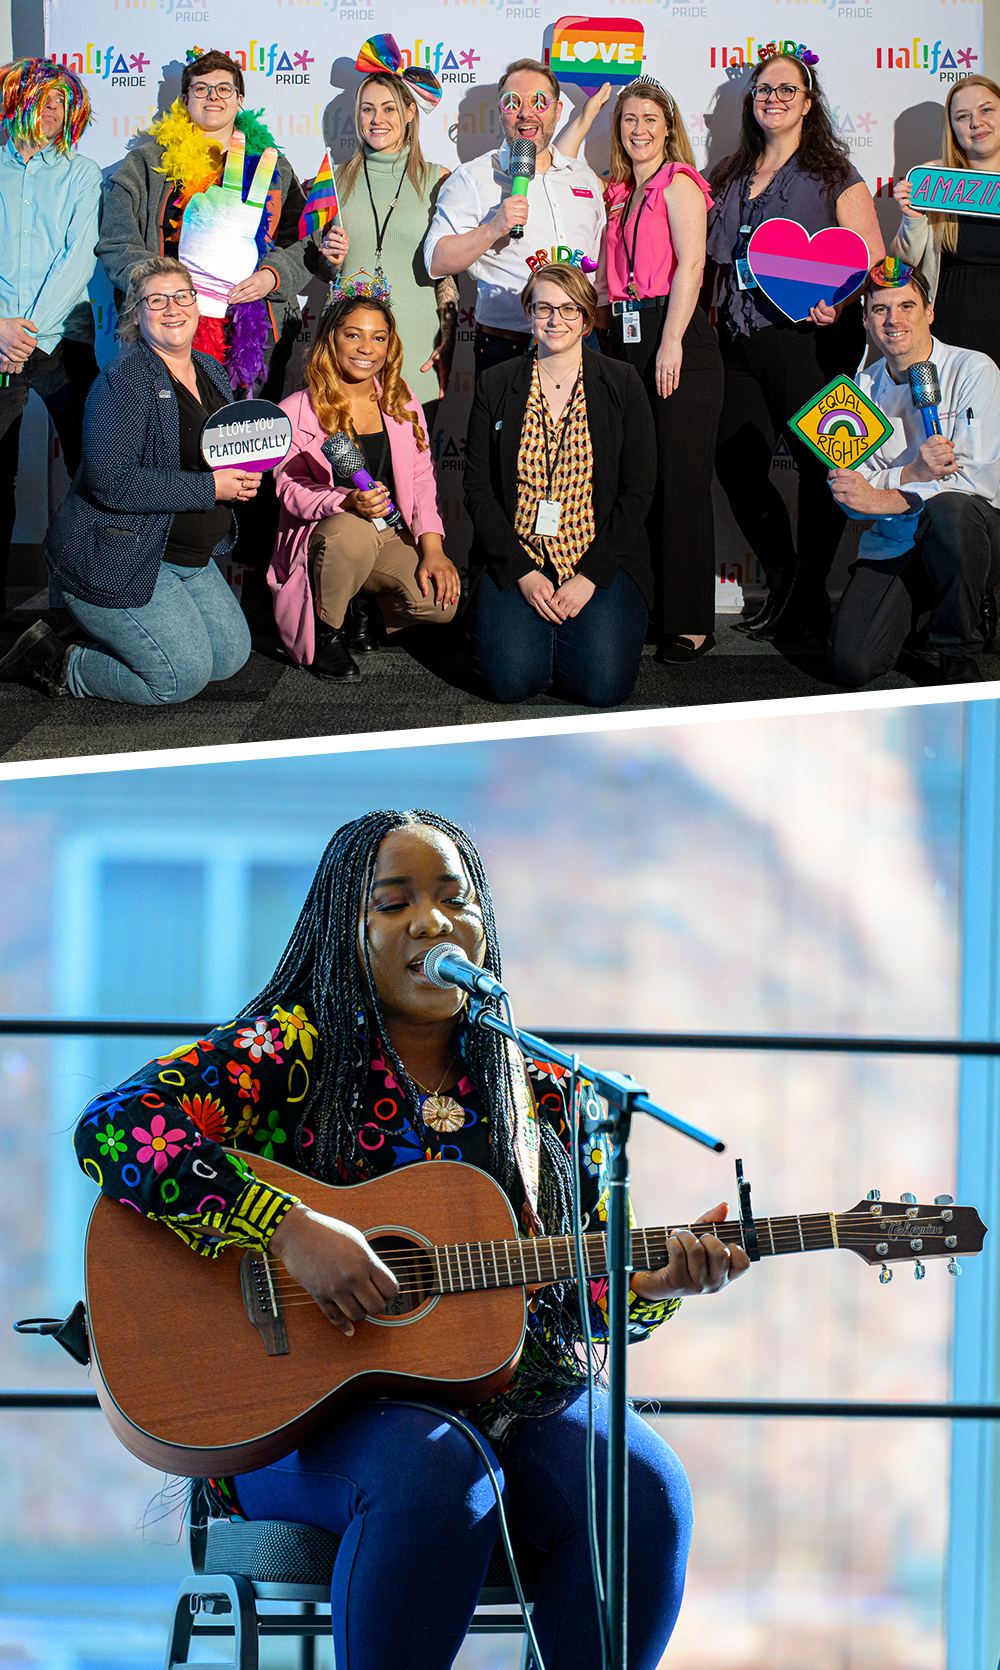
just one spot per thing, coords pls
(511, 102)
(783, 94)
(544, 312)
(223, 90)
(183, 298)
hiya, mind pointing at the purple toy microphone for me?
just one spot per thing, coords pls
(347, 460)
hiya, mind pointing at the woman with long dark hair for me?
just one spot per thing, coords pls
(348, 1065)
(789, 165)
(336, 558)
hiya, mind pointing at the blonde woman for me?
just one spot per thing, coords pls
(959, 255)
(334, 546)
(387, 192)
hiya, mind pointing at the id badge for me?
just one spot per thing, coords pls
(744, 277)
(547, 516)
(631, 326)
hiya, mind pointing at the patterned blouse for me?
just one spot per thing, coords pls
(155, 1142)
(572, 459)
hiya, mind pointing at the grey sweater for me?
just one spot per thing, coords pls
(131, 227)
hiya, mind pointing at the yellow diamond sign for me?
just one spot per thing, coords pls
(841, 424)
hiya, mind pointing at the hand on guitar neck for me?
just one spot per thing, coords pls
(334, 1263)
(697, 1264)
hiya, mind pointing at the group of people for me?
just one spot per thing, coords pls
(604, 400)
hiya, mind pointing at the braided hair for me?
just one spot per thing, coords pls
(321, 963)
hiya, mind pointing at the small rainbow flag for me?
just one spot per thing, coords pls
(321, 205)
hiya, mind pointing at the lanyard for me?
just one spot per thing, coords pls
(635, 229)
(550, 463)
(380, 230)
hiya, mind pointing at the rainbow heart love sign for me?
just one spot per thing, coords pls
(248, 435)
(795, 271)
(840, 424)
(588, 51)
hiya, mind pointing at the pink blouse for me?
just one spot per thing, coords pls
(655, 257)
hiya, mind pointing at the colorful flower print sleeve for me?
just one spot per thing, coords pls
(154, 1143)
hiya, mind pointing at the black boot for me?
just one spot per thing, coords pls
(360, 626)
(38, 659)
(331, 658)
(804, 612)
(960, 669)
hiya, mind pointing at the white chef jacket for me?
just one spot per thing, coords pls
(565, 220)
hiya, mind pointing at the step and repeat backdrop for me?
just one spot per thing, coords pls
(885, 68)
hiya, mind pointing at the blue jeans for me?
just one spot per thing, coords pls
(192, 632)
(410, 1498)
(593, 658)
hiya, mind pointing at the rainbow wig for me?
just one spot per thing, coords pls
(24, 87)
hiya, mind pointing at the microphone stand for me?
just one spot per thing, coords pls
(623, 1097)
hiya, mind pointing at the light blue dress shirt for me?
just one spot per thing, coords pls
(48, 231)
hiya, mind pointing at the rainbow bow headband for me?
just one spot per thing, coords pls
(891, 273)
(381, 56)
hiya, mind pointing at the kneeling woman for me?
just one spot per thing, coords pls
(334, 547)
(560, 469)
(133, 541)
(368, 1068)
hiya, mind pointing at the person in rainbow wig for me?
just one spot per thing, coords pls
(210, 187)
(49, 200)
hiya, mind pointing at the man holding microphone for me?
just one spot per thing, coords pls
(560, 212)
(934, 548)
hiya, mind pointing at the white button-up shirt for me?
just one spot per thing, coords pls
(565, 221)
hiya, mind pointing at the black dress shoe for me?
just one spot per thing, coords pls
(988, 621)
(679, 650)
(332, 659)
(778, 586)
(960, 669)
(803, 612)
(360, 627)
(38, 659)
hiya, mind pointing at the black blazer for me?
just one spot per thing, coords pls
(623, 438)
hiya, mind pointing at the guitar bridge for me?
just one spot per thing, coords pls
(263, 1303)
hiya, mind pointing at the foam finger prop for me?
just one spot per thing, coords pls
(218, 241)
(796, 271)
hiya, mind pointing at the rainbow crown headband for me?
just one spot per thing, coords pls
(361, 287)
(891, 273)
(381, 56)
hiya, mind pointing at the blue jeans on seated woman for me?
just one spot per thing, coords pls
(192, 632)
(412, 1501)
(593, 658)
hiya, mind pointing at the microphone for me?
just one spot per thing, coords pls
(347, 459)
(446, 965)
(522, 171)
(925, 392)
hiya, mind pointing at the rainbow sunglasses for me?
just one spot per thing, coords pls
(512, 102)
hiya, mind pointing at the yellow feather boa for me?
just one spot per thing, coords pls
(190, 158)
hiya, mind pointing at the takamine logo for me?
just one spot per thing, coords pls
(939, 60)
(107, 64)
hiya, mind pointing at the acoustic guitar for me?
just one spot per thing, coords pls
(212, 1366)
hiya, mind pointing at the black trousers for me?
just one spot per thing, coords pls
(63, 380)
(769, 375)
(953, 564)
(681, 525)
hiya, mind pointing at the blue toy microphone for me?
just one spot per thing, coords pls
(925, 392)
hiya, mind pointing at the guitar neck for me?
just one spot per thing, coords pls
(476, 1265)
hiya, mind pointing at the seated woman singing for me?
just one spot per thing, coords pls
(560, 468)
(133, 541)
(339, 545)
(350, 1065)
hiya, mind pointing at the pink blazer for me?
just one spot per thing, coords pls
(304, 484)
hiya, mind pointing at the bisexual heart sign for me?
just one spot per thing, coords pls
(795, 271)
(248, 435)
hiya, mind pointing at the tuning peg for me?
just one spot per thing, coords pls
(874, 1194)
(954, 1268)
(919, 1271)
(885, 1274)
(944, 1200)
(908, 1200)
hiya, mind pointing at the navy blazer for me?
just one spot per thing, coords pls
(106, 541)
(623, 438)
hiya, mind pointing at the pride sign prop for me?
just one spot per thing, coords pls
(588, 51)
(248, 435)
(841, 424)
(795, 271)
(958, 190)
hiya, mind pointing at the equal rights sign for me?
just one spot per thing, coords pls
(955, 190)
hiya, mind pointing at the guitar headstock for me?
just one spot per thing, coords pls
(890, 1232)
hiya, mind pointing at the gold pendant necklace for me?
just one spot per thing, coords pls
(440, 1113)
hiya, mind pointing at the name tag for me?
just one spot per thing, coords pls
(547, 516)
(632, 325)
(581, 191)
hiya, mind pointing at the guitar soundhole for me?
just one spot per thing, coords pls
(411, 1265)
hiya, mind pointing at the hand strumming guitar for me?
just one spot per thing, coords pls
(334, 1263)
(697, 1264)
